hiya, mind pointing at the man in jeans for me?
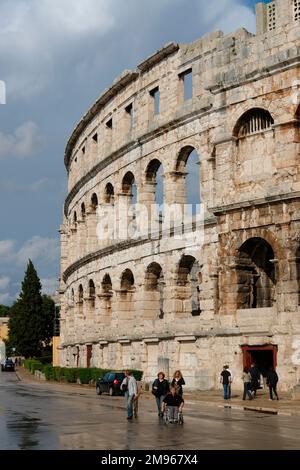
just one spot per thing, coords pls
(129, 385)
(225, 379)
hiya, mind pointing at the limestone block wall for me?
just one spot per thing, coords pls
(230, 282)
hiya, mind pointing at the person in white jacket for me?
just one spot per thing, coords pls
(129, 386)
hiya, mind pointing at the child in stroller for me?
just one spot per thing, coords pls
(172, 407)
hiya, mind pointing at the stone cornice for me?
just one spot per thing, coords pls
(158, 56)
(254, 203)
(127, 77)
(124, 245)
(119, 84)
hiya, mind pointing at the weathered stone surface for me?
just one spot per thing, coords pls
(243, 286)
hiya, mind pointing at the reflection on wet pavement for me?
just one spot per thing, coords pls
(38, 417)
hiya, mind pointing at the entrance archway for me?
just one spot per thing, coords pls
(263, 357)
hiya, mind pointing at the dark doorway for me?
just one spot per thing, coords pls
(264, 357)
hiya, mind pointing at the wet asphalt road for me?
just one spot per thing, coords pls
(42, 417)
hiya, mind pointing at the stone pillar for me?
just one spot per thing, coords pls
(91, 224)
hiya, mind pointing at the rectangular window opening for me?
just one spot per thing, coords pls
(187, 79)
(130, 112)
(155, 94)
(109, 124)
(83, 150)
(95, 138)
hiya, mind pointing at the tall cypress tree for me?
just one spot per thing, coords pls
(26, 324)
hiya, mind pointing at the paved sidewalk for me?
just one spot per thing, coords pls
(285, 406)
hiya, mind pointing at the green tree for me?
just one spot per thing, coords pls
(4, 311)
(30, 317)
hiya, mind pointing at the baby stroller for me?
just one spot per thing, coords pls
(173, 415)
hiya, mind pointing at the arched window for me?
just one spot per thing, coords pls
(106, 285)
(94, 202)
(188, 170)
(189, 281)
(106, 296)
(127, 280)
(154, 287)
(130, 192)
(255, 274)
(83, 211)
(92, 292)
(154, 176)
(80, 297)
(129, 187)
(253, 121)
(109, 194)
(75, 218)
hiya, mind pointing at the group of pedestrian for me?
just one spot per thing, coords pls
(166, 394)
(251, 379)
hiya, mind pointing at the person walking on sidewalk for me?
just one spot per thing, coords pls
(160, 388)
(272, 380)
(225, 381)
(255, 378)
(247, 381)
(178, 382)
(129, 386)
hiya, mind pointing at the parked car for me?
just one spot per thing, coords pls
(110, 383)
(8, 365)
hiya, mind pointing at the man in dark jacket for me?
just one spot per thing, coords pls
(272, 380)
(255, 378)
(160, 388)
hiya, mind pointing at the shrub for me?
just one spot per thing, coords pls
(48, 371)
(70, 375)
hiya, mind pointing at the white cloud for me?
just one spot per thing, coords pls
(50, 285)
(6, 249)
(4, 282)
(43, 250)
(41, 37)
(24, 142)
(38, 248)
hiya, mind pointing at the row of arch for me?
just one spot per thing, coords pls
(187, 167)
(253, 121)
(188, 283)
(256, 280)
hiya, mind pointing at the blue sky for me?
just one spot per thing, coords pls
(56, 57)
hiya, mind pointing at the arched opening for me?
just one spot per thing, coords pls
(252, 121)
(129, 187)
(189, 283)
(154, 178)
(109, 194)
(94, 202)
(106, 295)
(80, 298)
(75, 218)
(154, 291)
(256, 278)
(129, 190)
(83, 213)
(126, 296)
(106, 285)
(92, 293)
(188, 179)
(127, 280)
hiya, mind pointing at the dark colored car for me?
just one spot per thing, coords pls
(110, 383)
(8, 365)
